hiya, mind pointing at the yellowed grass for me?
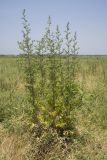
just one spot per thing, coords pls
(13, 147)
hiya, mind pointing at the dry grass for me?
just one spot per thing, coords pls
(12, 146)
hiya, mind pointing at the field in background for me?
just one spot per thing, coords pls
(15, 140)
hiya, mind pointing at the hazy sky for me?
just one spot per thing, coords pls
(87, 17)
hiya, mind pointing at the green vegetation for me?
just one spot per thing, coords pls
(52, 101)
(50, 80)
(16, 114)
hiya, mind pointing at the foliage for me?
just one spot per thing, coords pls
(53, 91)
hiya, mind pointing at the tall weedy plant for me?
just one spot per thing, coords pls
(74, 51)
(54, 93)
(29, 67)
(59, 53)
(40, 53)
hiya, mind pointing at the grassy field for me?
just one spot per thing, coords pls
(15, 124)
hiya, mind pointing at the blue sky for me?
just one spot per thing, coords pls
(87, 17)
